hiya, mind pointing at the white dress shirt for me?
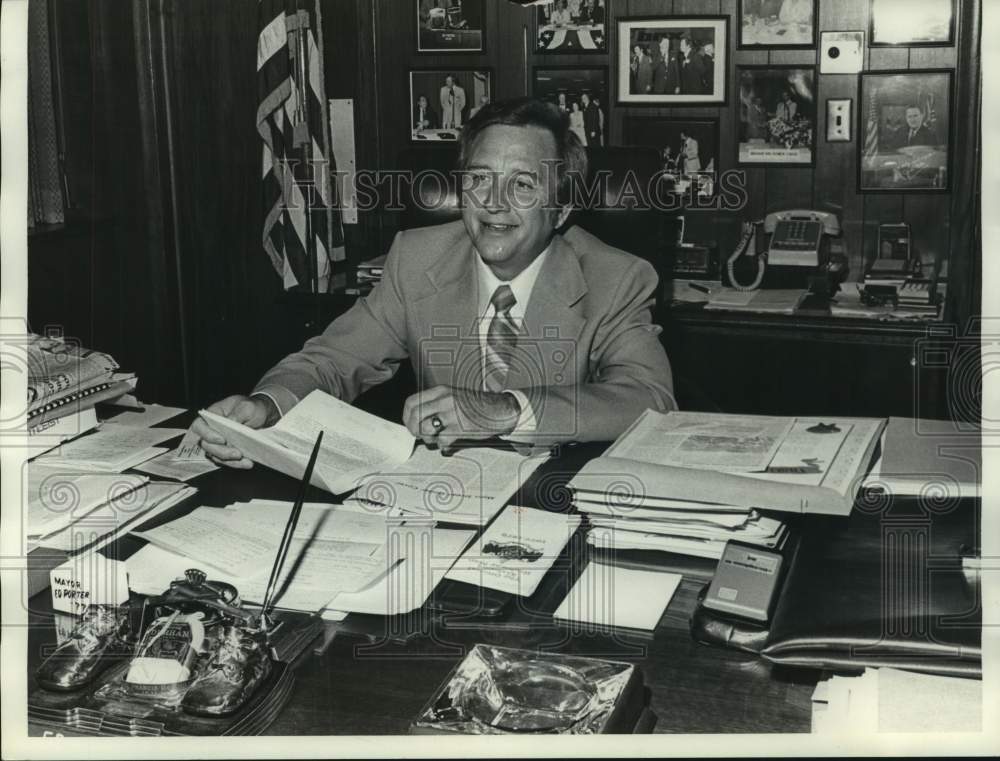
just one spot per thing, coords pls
(522, 285)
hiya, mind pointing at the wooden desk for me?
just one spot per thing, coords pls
(366, 683)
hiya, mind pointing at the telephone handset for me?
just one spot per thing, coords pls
(797, 254)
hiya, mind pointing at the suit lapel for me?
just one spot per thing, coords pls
(552, 323)
(450, 346)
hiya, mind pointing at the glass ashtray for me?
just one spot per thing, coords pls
(497, 690)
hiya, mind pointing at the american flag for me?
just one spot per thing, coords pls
(301, 216)
(871, 133)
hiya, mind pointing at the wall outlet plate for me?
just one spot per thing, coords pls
(841, 52)
(838, 120)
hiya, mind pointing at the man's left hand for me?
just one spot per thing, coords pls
(463, 414)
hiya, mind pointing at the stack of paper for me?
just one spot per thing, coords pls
(72, 511)
(468, 487)
(889, 700)
(111, 449)
(689, 482)
(335, 549)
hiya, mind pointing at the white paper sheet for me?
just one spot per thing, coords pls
(516, 551)
(468, 487)
(607, 595)
(167, 466)
(112, 448)
(109, 521)
(355, 444)
(407, 586)
(148, 416)
(57, 498)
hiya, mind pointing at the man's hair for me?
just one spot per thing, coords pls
(571, 156)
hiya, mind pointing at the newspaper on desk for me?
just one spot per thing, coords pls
(468, 487)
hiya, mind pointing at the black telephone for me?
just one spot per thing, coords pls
(798, 255)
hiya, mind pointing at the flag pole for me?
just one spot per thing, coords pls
(304, 142)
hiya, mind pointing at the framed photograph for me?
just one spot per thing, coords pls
(911, 23)
(451, 26)
(672, 61)
(442, 100)
(572, 26)
(904, 131)
(688, 146)
(777, 24)
(777, 115)
(580, 92)
(839, 120)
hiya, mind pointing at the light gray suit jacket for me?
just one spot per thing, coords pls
(589, 358)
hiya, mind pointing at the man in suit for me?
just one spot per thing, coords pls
(692, 69)
(917, 132)
(423, 115)
(513, 330)
(591, 120)
(663, 69)
(644, 71)
(452, 103)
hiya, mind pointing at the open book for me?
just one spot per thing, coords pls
(713, 461)
(355, 444)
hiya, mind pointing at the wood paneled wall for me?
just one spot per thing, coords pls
(830, 185)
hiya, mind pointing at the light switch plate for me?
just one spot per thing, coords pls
(838, 120)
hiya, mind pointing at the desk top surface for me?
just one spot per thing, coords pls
(374, 681)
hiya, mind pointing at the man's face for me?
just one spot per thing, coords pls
(422, 102)
(449, 81)
(709, 49)
(685, 48)
(914, 118)
(664, 46)
(511, 214)
(585, 99)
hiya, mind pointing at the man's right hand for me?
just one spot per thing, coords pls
(252, 411)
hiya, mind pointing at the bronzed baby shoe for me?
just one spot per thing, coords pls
(98, 641)
(231, 675)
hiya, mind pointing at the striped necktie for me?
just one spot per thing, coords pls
(501, 338)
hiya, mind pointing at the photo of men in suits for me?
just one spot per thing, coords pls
(681, 63)
(541, 349)
(442, 101)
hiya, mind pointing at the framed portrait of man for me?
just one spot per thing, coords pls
(451, 26)
(777, 125)
(777, 24)
(904, 131)
(442, 100)
(581, 93)
(572, 26)
(688, 148)
(672, 61)
(912, 23)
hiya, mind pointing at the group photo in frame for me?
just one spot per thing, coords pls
(442, 100)
(911, 23)
(581, 93)
(777, 24)
(672, 61)
(451, 26)
(904, 131)
(777, 124)
(688, 148)
(572, 26)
